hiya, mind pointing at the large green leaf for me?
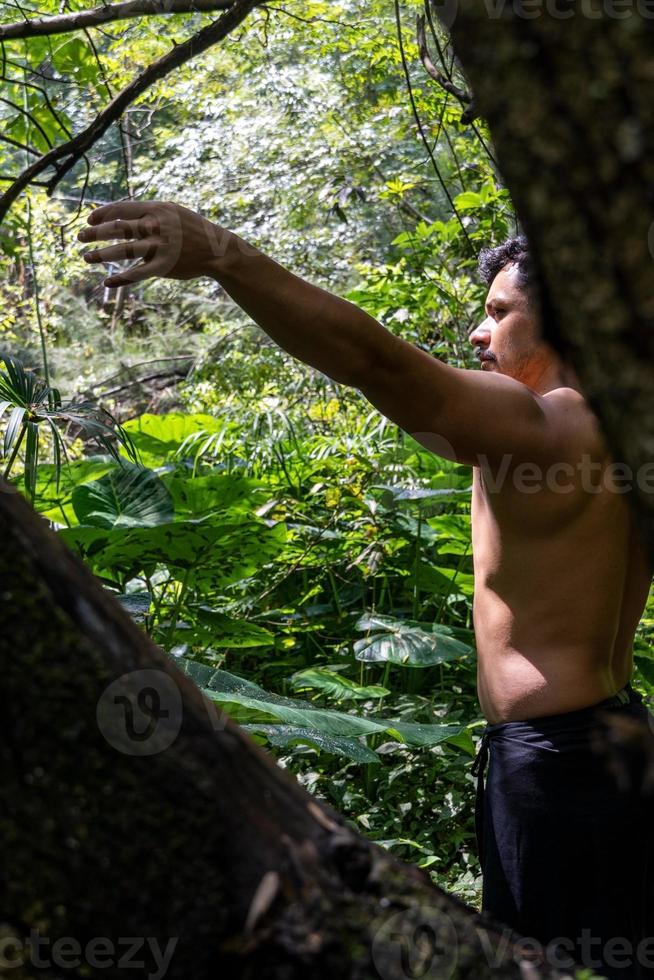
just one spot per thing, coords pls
(302, 714)
(333, 684)
(211, 554)
(54, 502)
(283, 736)
(235, 694)
(423, 736)
(88, 541)
(158, 437)
(127, 496)
(199, 496)
(223, 631)
(407, 643)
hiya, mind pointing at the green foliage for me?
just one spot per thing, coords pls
(408, 643)
(231, 691)
(159, 439)
(261, 570)
(334, 685)
(34, 404)
(130, 496)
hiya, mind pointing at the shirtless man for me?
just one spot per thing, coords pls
(560, 578)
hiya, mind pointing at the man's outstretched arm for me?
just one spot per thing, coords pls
(459, 414)
(309, 323)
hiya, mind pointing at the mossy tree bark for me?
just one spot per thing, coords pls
(205, 843)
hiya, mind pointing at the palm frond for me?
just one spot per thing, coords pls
(33, 402)
(13, 426)
(31, 457)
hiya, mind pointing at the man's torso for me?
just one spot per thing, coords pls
(560, 584)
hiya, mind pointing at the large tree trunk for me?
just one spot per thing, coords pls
(184, 830)
(569, 97)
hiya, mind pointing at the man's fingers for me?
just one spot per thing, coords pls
(140, 248)
(144, 270)
(109, 229)
(120, 209)
(144, 227)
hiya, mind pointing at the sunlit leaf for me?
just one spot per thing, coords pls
(335, 685)
(128, 496)
(235, 694)
(158, 437)
(407, 644)
(284, 736)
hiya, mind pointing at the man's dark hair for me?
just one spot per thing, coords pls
(514, 251)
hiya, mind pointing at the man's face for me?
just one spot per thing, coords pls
(508, 341)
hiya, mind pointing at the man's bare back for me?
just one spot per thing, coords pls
(560, 584)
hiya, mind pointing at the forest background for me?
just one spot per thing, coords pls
(306, 562)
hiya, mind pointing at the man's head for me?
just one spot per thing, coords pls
(509, 340)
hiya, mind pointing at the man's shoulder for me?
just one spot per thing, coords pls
(566, 394)
(571, 415)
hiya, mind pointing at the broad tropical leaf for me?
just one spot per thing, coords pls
(333, 684)
(407, 643)
(204, 495)
(52, 496)
(223, 631)
(212, 554)
(283, 736)
(235, 694)
(127, 496)
(158, 437)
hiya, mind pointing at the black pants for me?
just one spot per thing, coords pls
(567, 853)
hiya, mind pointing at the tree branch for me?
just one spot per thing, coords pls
(421, 129)
(28, 115)
(255, 879)
(64, 23)
(73, 150)
(20, 146)
(464, 97)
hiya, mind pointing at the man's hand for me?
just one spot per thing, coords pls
(171, 241)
